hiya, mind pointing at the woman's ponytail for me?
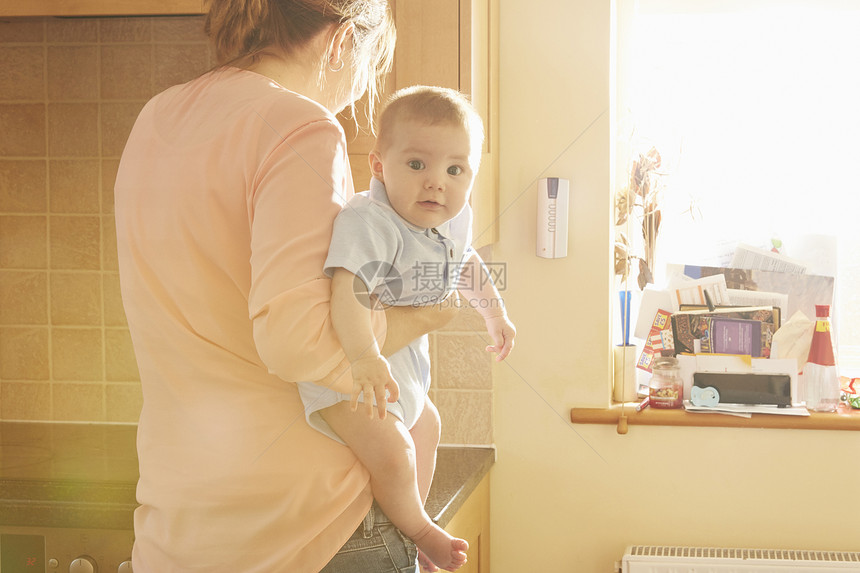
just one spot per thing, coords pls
(236, 27)
(242, 28)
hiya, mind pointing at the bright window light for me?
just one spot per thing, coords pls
(755, 107)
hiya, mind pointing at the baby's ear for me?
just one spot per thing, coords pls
(375, 164)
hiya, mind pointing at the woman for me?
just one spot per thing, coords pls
(225, 198)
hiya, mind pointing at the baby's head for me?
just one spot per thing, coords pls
(432, 105)
(427, 153)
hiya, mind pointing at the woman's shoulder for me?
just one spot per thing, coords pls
(230, 91)
(281, 106)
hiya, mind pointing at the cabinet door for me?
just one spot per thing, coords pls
(99, 7)
(428, 43)
(472, 523)
(480, 72)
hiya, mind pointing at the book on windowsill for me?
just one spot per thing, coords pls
(769, 314)
(744, 330)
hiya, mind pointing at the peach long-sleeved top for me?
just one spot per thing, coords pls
(225, 198)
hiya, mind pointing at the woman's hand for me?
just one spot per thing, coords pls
(371, 377)
(406, 323)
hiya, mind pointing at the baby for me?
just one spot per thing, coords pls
(406, 242)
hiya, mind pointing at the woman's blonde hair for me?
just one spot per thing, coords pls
(244, 28)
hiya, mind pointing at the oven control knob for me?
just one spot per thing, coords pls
(124, 567)
(83, 564)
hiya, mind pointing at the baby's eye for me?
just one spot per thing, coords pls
(416, 165)
(455, 170)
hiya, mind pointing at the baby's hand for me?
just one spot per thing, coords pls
(371, 376)
(503, 332)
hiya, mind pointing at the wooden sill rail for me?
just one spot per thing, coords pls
(843, 419)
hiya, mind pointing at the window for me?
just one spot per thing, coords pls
(753, 105)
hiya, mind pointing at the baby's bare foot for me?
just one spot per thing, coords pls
(425, 563)
(443, 550)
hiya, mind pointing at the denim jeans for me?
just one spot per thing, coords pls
(375, 547)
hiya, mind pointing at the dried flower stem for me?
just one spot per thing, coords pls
(641, 197)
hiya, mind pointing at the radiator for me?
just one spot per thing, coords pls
(670, 559)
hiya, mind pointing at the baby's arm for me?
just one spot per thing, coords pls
(482, 294)
(350, 311)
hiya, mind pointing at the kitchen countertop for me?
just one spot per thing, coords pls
(459, 470)
(84, 476)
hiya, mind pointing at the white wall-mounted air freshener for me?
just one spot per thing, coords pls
(552, 217)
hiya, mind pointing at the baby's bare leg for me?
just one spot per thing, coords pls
(386, 449)
(425, 435)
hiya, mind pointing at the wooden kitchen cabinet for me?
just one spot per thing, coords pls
(454, 44)
(472, 523)
(99, 7)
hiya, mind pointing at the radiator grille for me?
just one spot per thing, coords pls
(743, 554)
(677, 559)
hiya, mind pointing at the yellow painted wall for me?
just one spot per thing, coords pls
(570, 498)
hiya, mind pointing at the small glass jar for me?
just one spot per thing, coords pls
(667, 388)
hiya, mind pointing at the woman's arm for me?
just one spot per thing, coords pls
(406, 323)
(298, 191)
(403, 325)
(351, 312)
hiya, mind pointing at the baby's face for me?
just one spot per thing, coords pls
(426, 171)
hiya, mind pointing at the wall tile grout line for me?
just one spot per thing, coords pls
(101, 220)
(50, 352)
